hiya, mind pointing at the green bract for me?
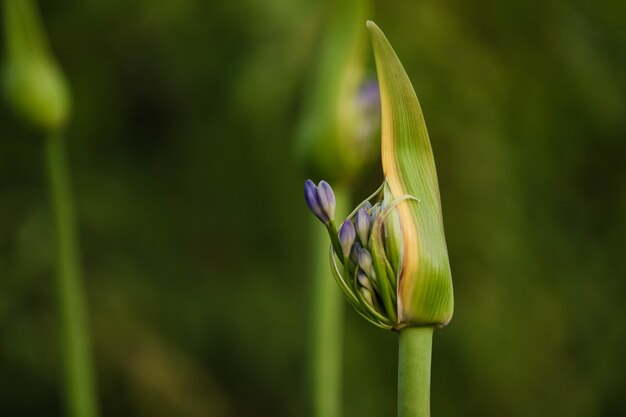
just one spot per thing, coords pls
(389, 256)
(34, 83)
(424, 283)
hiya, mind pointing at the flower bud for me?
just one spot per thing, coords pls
(375, 212)
(326, 198)
(363, 225)
(347, 235)
(367, 295)
(320, 200)
(356, 247)
(312, 200)
(34, 84)
(398, 273)
(364, 280)
(364, 258)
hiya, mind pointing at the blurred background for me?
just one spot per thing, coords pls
(191, 210)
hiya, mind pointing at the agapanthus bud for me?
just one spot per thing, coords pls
(356, 247)
(364, 280)
(347, 235)
(375, 211)
(326, 198)
(367, 295)
(363, 225)
(312, 200)
(320, 200)
(397, 274)
(33, 81)
(364, 258)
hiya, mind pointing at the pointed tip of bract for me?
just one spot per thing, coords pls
(375, 30)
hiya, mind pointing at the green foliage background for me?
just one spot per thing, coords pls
(192, 216)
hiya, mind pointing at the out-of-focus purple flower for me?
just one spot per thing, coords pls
(369, 95)
(368, 108)
(320, 200)
(347, 235)
(363, 225)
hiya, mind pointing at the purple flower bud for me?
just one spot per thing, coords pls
(364, 259)
(347, 234)
(375, 212)
(312, 201)
(363, 225)
(363, 280)
(355, 250)
(367, 206)
(326, 198)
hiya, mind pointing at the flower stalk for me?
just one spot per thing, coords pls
(37, 91)
(326, 326)
(80, 389)
(414, 358)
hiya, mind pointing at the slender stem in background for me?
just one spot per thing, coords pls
(326, 326)
(414, 371)
(80, 388)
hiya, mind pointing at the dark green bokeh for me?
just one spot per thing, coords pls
(192, 216)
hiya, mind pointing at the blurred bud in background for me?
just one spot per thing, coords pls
(33, 81)
(337, 134)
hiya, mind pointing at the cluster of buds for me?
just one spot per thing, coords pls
(365, 252)
(389, 256)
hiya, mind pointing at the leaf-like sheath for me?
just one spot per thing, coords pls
(425, 285)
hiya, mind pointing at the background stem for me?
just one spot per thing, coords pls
(414, 356)
(80, 390)
(326, 337)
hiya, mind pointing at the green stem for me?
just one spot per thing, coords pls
(80, 389)
(326, 337)
(414, 371)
